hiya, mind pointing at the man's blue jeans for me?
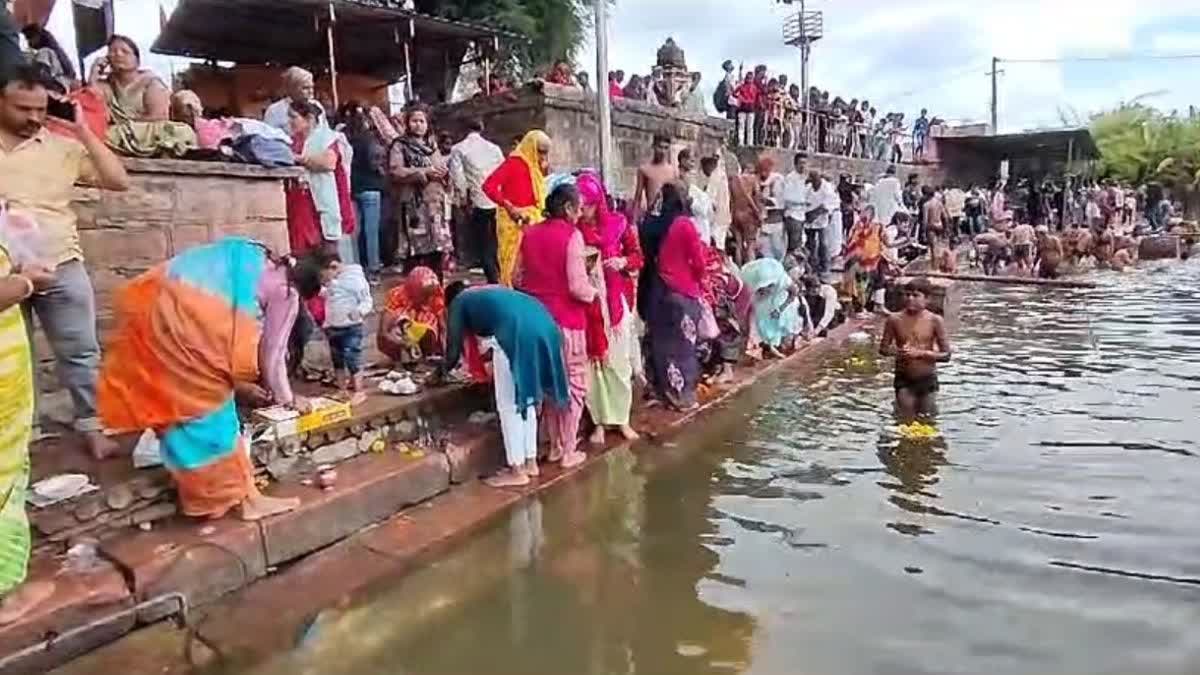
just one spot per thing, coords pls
(367, 207)
(67, 314)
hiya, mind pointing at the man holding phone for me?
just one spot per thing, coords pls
(38, 171)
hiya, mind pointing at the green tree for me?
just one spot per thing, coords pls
(1140, 144)
(556, 29)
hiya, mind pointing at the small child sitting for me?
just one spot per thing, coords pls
(347, 303)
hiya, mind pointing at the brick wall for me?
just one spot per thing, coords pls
(171, 206)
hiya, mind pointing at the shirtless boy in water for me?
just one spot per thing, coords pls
(1022, 247)
(1050, 253)
(917, 338)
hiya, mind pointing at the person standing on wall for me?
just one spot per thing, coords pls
(472, 160)
(38, 172)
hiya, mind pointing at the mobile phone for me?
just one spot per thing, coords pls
(61, 108)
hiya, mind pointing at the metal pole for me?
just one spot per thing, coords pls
(805, 52)
(333, 83)
(603, 104)
(408, 85)
(995, 111)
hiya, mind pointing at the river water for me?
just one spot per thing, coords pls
(1054, 529)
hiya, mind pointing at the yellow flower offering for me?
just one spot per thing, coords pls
(918, 431)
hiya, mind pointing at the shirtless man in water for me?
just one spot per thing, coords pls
(917, 338)
(652, 176)
(1022, 247)
(1050, 253)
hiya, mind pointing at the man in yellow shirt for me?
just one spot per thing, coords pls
(38, 171)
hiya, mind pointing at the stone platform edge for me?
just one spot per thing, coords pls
(395, 505)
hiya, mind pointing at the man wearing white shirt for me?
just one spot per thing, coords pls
(795, 195)
(702, 207)
(888, 196)
(822, 230)
(772, 240)
(471, 162)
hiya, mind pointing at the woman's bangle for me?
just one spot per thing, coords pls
(29, 287)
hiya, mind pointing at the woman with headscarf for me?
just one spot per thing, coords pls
(527, 364)
(675, 270)
(776, 306)
(189, 333)
(319, 207)
(610, 396)
(139, 104)
(420, 176)
(729, 300)
(552, 267)
(413, 322)
(300, 87)
(864, 251)
(518, 187)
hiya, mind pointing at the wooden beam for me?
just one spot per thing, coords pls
(1015, 281)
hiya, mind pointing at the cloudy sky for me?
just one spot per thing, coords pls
(904, 55)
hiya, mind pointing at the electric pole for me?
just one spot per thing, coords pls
(801, 30)
(603, 104)
(995, 102)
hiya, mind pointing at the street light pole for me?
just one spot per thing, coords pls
(603, 104)
(995, 102)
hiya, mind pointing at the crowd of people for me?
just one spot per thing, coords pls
(768, 111)
(589, 299)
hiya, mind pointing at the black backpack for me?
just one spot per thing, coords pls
(721, 97)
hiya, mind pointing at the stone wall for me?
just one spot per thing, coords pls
(171, 205)
(570, 118)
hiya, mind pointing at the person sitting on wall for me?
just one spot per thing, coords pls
(139, 104)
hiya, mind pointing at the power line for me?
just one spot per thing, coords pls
(1115, 57)
(937, 84)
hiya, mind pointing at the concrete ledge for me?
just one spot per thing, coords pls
(78, 600)
(203, 561)
(368, 490)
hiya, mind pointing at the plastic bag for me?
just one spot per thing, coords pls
(21, 237)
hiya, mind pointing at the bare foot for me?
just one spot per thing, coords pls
(572, 459)
(628, 432)
(597, 437)
(531, 469)
(358, 398)
(556, 453)
(257, 507)
(24, 600)
(101, 446)
(508, 478)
